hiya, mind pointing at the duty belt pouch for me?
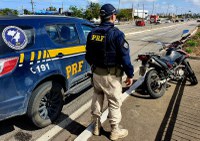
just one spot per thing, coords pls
(119, 72)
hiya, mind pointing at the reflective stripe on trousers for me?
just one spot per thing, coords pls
(111, 87)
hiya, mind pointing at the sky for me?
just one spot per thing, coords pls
(160, 6)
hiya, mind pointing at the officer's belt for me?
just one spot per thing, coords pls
(105, 71)
(110, 70)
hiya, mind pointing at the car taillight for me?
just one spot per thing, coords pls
(7, 65)
(143, 57)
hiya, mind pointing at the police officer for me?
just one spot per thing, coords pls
(107, 52)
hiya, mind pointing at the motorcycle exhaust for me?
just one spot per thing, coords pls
(160, 63)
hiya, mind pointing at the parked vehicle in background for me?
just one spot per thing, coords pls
(183, 20)
(158, 21)
(42, 60)
(153, 18)
(140, 22)
(176, 21)
(167, 21)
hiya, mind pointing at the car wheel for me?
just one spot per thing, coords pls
(45, 104)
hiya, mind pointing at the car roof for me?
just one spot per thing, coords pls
(43, 18)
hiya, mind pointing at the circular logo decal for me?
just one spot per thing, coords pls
(14, 37)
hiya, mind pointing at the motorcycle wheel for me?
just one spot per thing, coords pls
(154, 89)
(190, 73)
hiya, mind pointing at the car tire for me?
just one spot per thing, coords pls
(45, 103)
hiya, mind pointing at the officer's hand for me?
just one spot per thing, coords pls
(128, 81)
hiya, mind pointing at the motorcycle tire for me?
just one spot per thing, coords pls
(190, 73)
(151, 81)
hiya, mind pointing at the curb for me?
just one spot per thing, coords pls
(194, 31)
(192, 34)
(194, 57)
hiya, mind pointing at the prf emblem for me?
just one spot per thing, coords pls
(74, 68)
(98, 38)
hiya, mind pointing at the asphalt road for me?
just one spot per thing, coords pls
(20, 128)
(173, 117)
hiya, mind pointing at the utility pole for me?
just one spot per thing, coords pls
(168, 10)
(137, 10)
(32, 4)
(119, 5)
(153, 8)
(143, 13)
(133, 11)
(22, 7)
(176, 10)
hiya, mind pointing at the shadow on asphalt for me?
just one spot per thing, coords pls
(167, 126)
(24, 123)
(74, 127)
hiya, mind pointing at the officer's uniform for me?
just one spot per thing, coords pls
(108, 53)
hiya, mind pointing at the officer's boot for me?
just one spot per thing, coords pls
(117, 133)
(97, 126)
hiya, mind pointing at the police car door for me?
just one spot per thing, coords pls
(86, 28)
(67, 51)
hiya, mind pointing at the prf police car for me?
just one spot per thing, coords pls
(42, 58)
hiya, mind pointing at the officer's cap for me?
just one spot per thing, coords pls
(107, 10)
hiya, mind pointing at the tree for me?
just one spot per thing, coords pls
(92, 11)
(26, 12)
(8, 11)
(51, 8)
(125, 14)
(76, 12)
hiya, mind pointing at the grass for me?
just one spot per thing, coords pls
(192, 46)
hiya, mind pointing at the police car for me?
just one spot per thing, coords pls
(42, 59)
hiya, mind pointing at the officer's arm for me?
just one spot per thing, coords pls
(124, 52)
(88, 54)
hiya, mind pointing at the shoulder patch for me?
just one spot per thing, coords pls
(126, 45)
(15, 37)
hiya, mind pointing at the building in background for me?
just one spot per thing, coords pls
(141, 13)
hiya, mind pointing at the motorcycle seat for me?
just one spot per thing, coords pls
(168, 60)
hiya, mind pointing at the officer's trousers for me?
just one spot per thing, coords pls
(110, 86)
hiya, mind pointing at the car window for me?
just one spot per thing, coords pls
(29, 32)
(68, 34)
(65, 34)
(86, 29)
(52, 32)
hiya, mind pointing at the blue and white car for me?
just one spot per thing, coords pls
(42, 59)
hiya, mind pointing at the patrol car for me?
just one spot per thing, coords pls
(42, 59)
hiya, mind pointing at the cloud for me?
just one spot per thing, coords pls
(94, 1)
(128, 1)
(195, 2)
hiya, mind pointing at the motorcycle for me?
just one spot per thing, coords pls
(157, 69)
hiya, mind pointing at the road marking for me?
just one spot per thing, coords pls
(146, 38)
(56, 129)
(133, 33)
(87, 133)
